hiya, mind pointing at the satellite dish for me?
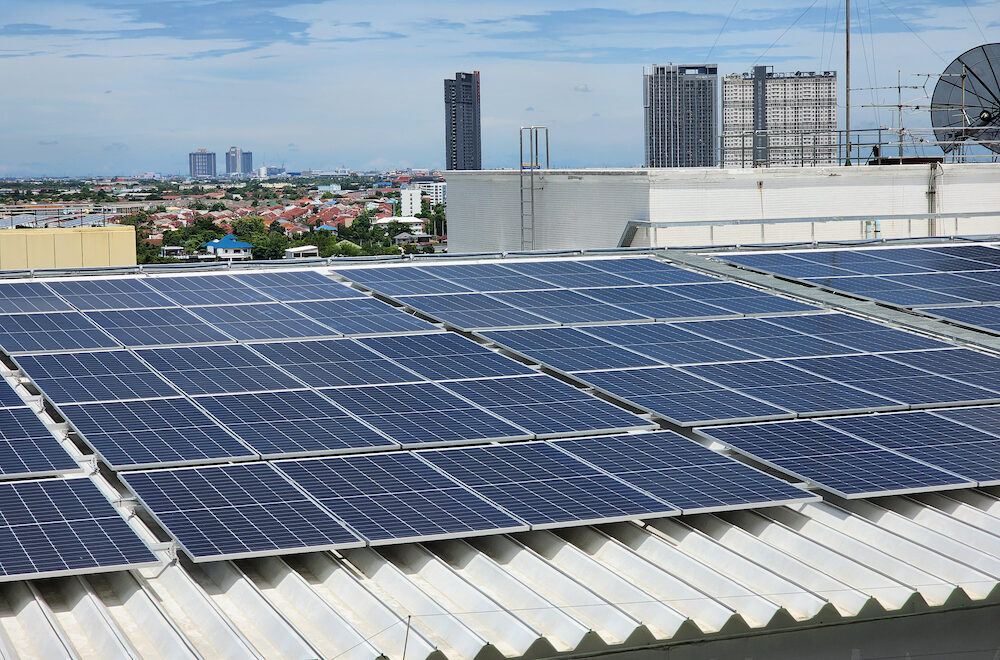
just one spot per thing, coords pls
(966, 100)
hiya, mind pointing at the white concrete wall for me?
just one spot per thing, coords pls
(590, 208)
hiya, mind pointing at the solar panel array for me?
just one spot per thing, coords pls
(389, 434)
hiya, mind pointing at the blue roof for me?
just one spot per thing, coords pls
(326, 228)
(227, 242)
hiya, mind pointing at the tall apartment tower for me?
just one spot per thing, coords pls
(785, 119)
(463, 148)
(681, 114)
(201, 163)
(239, 162)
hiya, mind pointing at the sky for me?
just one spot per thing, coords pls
(102, 87)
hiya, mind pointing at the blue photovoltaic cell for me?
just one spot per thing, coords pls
(445, 356)
(894, 380)
(95, 293)
(765, 339)
(983, 253)
(839, 462)
(218, 369)
(678, 396)
(740, 299)
(97, 376)
(397, 497)
(8, 397)
(486, 278)
(358, 316)
(655, 302)
(856, 333)
(235, 511)
(568, 349)
(292, 423)
(153, 327)
(262, 321)
(130, 434)
(983, 316)
(28, 448)
(891, 292)
(683, 473)
(334, 363)
(544, 486)
(790, 388)
(932, 439)
(961, 364)
(565, 306)
(299, 286)
(984, 418)
(546, 406)
(471, 311)
(401, 280)
(25, 297)
(649, 271)
(206, 290)
(58, 526)
(669, 343)
(567, 274)
(50, 332)
(423, 413)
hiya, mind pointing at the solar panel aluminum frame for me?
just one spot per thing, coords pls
(198, 462)
(360, 543)
(116, 346)
(520, 355)
(847, 496)
(332, 333)
(806, 499)
(523, 527)
(714, 422)
(453, 326)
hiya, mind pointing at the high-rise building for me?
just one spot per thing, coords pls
(201, 163)
(785, 119)
(239, 162)
(409, 199)
(681, 116)
(462, 133)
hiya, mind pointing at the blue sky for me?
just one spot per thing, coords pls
(128, 86)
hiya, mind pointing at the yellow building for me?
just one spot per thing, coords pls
(67, 247)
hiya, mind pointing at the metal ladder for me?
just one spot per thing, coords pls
(533, 139)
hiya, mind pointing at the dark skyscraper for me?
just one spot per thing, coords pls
(462, 133)
(681, 115)
(201, 163)
(239, 161)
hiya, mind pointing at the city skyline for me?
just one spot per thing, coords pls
(114, 88)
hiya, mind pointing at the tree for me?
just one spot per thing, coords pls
(198, 205)
(327, 195)
(218, 206)
(251, 224)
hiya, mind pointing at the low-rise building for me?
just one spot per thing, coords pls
(229, 247)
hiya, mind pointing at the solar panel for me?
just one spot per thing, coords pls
(50, 332)
(765, 339)
(423, 413)
(298, 286)
(894, 380)
(841, 463)
(984, 418)
(206, 290)
(546, 406)
(567, 274)
(25, 297)
(153, 327)
(137, 434)
(262, 321)
(792, 389)
(285, 424)
(397, 497)
(122, 293)
(360, 316)
(400, 280)
(474, 311)
(740, 299)
(566, 306)
(445, 356)
(982, 316)
(97, 376)
(568, 349)
(683, 473)
(961, 364)
(856, 333)
(236, 511)
(28, 448)
(926, 437)
(8, 397)
(888, 291)
(544, 486)
(63, 526)
(656, 302)
(649, 271)
(486, 278)
(218, 369)
(668, 343)
(983, 253)
(334, 362)
(680, 397)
